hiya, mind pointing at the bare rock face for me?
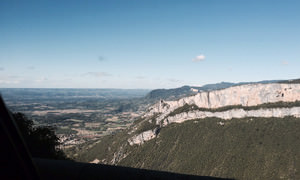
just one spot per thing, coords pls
(119, 155)
(244, 95)
(141, 138)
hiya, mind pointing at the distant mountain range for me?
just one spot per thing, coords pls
(176, 93)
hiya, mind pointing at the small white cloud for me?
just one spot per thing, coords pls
(284, 62)
(201, 57)
(97, 74)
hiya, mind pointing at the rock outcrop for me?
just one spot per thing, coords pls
(233, 113)
(141, 138)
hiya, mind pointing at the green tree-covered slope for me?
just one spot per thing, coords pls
(249, 148)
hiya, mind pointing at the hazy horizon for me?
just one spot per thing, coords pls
(138, 88)
(146, 44)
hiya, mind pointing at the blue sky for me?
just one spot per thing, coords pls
(146, 44)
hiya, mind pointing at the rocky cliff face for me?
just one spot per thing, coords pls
(244, 95)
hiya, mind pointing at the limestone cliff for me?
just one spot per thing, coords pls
(243, 95)
(233, 113)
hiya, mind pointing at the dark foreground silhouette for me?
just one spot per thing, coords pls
(53, 169)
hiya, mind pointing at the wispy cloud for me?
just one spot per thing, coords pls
(97, 74)
(13, 77)
(140, 77)
(31, 67)
(10, 79)
(201, 57)
(101, 58)
(1, 68)
(41, 79)
(174, 80)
